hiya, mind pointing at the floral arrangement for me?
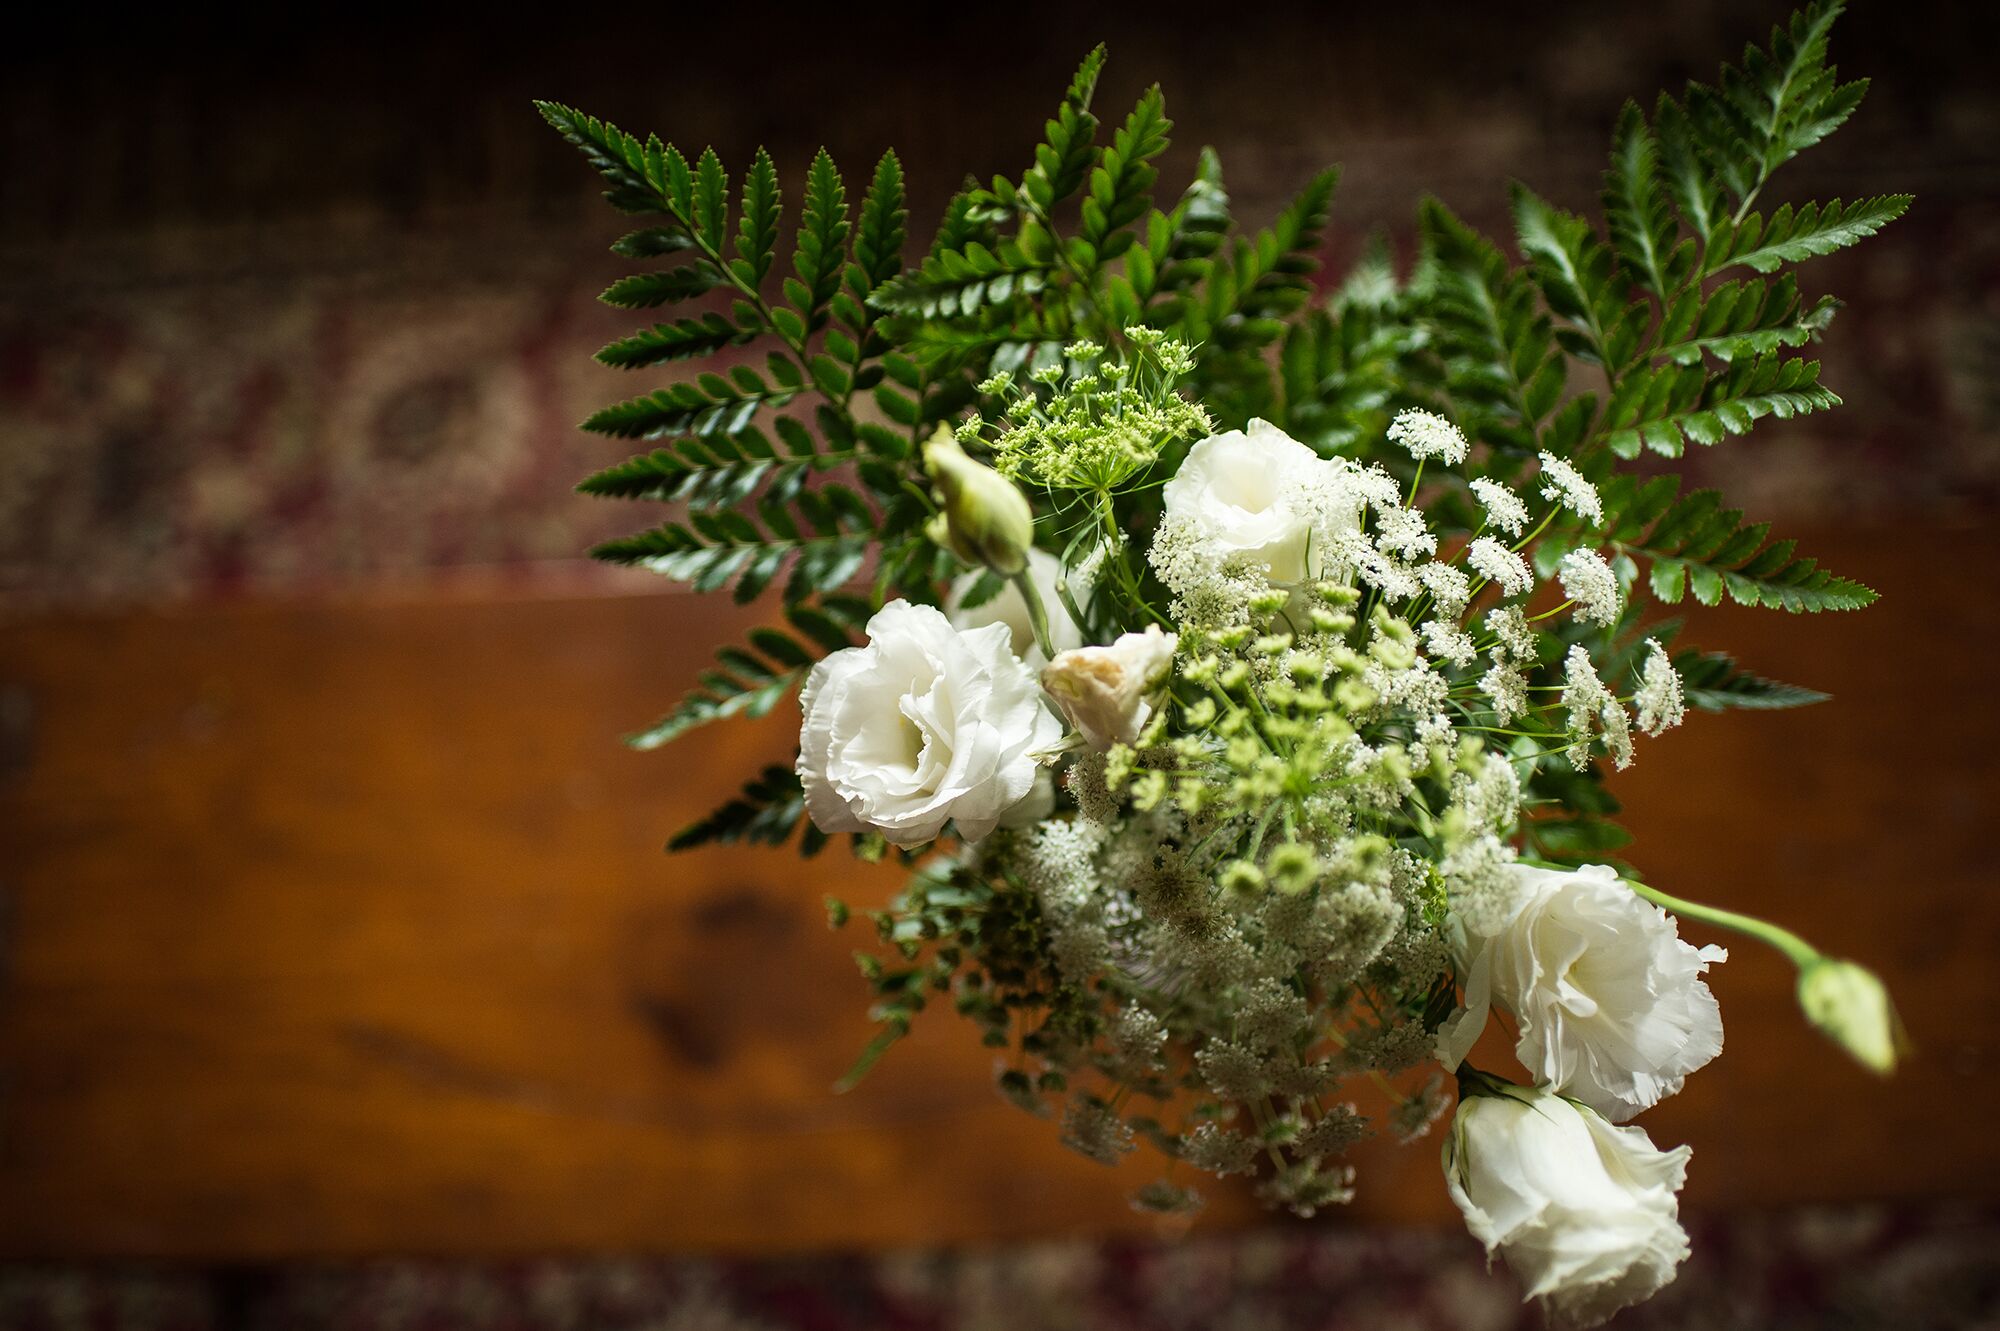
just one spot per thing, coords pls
(1233, 659)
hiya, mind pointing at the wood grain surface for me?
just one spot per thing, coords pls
(343, 928)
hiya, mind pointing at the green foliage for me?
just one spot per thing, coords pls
(750, 681)
(1497, 359)
(822, 535)
(770, 808)
(1666, 406)
(1792, 236)
(1715, 683)
(1696, 545)
(1777, 103)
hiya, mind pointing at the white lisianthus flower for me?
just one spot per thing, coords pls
(1102, 690)
(1242, 492)
(924, 725)
(1008, 607)
(1585, 1213)
(1611, 1005)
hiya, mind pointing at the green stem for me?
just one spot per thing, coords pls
(1037, 616)
(1796, 949)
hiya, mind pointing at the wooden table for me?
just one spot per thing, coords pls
(343, 927)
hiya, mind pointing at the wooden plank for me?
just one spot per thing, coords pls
(343, 928)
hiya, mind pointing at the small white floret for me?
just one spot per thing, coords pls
(1589, 581)
(1504, 509)
(1565, 485)
(1496, 562)
(1425, 434)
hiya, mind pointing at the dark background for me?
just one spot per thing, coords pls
(341, 981)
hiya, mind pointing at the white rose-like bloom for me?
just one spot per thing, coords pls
(927, 723)
(1102, 690)
(1010, 608)
(1612, 1008)
(1241, 491)
(1585, 1213)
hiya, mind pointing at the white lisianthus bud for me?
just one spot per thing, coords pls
(1585, 1213)
(1612, 1008)
(1009, 607)
(924, 725)
(1102, 690)
(1852, 1008)
(986, 520)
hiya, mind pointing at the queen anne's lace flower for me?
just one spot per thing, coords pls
(1504, 509)
(1448, 587)
(1662, 703)
(1565, 485)
(1507, 689)
(1425, 434)
(1589, 581)
(1401, 531)
(1513, 639)
(1447, 642)
(1590, 702)
(1496, 562)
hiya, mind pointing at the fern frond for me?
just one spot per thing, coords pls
(1713, 682)
(1790, 236)
(751, 680)
(770, 808)
(1694, 545)
(1664, 407)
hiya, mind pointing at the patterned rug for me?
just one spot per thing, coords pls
(1843, 1269)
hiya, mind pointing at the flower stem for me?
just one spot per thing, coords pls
(1037, 616)
(1796, 949)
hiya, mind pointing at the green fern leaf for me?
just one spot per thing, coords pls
(771, 807)
(1069, 147)
(750, 681)
(1791, 236)
(1637, 212)
(820, 252)
(710, 201)
(653, 242)
(1578, 276)
(757, 228)
(1696, 546)
(1738, 319)
(1713, 682)
(681, 340)
(1121, 182)
(643, 291)
(962, 282)
(712, 405)
(1662, 408)
(1502, 367)
(878, 248)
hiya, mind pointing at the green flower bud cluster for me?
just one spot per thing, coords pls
(1094, 421)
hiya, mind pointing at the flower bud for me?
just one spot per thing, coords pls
(986, 521)
(1102, 690)
(1852, 1008)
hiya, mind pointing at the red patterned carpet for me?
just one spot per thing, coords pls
(1819, 1270)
